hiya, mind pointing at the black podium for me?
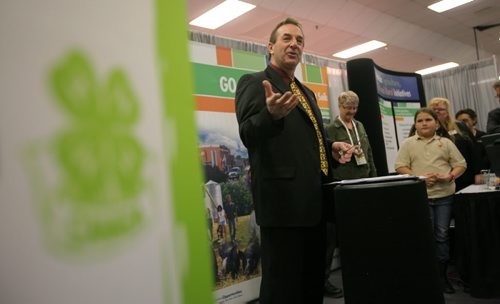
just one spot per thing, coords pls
(387, 249)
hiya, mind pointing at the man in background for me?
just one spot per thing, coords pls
(493, 124)
(231, 215)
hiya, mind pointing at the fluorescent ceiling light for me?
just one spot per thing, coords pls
(222, 14)
(437, 68)
(445, 5)
(360, 49)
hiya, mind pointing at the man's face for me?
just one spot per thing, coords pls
(286, 52)
(347, 112)
(466, 119)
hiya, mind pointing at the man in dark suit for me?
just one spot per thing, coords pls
(493, 124)
(290, 160)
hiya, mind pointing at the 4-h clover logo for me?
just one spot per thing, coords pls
(98, 160)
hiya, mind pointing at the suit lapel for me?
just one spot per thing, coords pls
(276, 80)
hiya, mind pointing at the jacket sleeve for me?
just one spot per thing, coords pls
(255, 121)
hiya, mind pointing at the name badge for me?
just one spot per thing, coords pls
(360, 159)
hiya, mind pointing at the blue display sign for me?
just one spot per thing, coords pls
(396, 87)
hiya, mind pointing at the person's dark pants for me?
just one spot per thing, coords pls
(293, 264)
(331, 244)
(232, 228)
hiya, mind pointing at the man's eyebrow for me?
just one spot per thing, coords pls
(290, 35)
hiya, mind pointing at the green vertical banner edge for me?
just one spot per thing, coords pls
(183, 160)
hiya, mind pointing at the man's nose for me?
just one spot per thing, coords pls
(294, 42)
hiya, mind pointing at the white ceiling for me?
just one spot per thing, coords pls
(417, 37)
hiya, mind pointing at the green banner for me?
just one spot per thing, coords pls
(404, 112)
(193, 259)
(385, 110)
(246, 60)
(216, 81)
(314, 74)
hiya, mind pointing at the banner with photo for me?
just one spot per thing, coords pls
(231, 225)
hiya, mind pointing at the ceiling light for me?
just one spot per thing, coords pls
(222, 14)
(445, 5)
(360, 49)
(437, 68)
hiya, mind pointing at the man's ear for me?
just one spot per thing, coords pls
(270, 47)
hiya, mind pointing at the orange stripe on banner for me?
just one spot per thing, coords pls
(324, 76)
(321, 92)
(304, 72)
(224, 56)
(324, 104)
(399, 118)
(214, 104)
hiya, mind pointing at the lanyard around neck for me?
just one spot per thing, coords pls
(349, 133)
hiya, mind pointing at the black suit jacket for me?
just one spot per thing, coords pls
(493, 124)
(287, 181)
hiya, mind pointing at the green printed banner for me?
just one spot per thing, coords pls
(218, 81)
(385, 110)
(249, 61)
(313, 73)
(404, 112)
(325, 113)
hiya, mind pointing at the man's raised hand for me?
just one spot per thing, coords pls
(279, 105)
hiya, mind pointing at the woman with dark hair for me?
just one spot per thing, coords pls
(469, 118)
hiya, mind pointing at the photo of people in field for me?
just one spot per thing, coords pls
(231, 226)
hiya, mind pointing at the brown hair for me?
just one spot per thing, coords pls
(441, 131)
(288, 20)
(428, 111)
